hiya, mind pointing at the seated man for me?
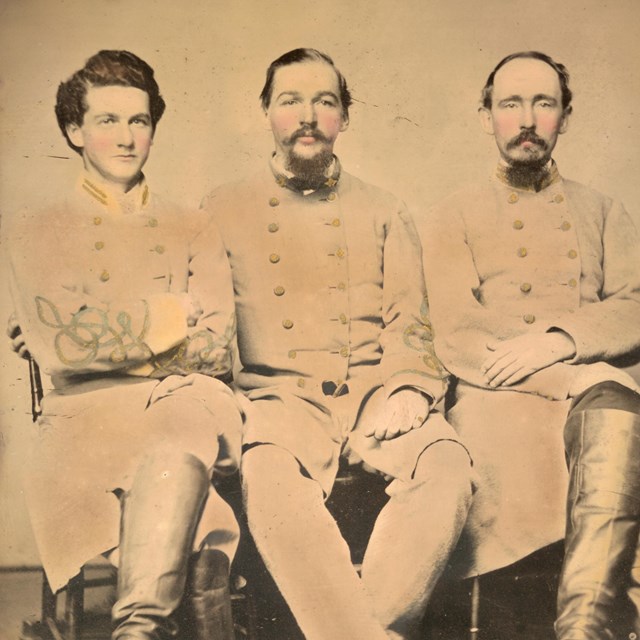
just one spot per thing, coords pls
(337, 359)
(534, 287)
(126, 302)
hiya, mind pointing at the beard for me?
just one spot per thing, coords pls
(530, 173)
(310, 172)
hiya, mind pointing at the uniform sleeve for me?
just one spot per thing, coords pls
(462, 325)
(70, 332)
(408, 357)
(610, 328)
(210, 344)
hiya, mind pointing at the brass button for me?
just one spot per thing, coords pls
(572, 254)
(518, 224)
(274, 258)
(273, 227)
(274, 202)
(301, 383)
(153, 222)
(341, 286)
(525, 287)
(529, 318)
(292, 354)
(336, 222)
(159, 249)
(279, 290)
(558, 198)
(287, 324)
(566, 225)
(97, 220)
(573, 283)
(104, 276)
(118, 356)
(332, 196)
(99, 245)
(343, 318)
(513, 198)
(344, 352)
(522, 252)
(340, 253)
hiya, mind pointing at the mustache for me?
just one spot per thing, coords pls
(526, 136)
(306, 133)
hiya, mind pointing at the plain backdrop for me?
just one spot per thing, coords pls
(415, 67)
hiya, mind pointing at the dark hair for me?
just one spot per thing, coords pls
(560, 69)
(304, 55)
(105, 69)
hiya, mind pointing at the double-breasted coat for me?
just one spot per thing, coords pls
(99, 285)
(329, 292)
(501, 262)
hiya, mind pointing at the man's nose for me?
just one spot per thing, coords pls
(125, 135)
(528, 119)
(308, 113)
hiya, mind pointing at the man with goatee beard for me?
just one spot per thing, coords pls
(534, 290)
(337, 361)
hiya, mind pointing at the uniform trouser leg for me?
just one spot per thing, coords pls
(160, 514)
(602, 440)
(303, 549)
(415, 534)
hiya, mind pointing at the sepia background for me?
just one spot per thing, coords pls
(415, 67)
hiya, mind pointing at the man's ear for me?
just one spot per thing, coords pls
(345, 123)
(75, 135)
(564, 125)
(486, 120)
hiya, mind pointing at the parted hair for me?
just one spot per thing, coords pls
(304, 55)
(106, 68)
(560, 69)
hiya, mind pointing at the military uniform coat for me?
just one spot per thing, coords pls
(501, 262)
(329, 291)
(97, 285)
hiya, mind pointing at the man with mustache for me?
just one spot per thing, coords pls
(337, 361)
(534, 289)
(126, 302)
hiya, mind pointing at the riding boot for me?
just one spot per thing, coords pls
(210, 600)
(159, 517)
(603, 516)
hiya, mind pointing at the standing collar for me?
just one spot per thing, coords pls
(285, 178)
(552, 176)
(133, 201)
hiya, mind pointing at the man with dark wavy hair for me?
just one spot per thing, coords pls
(126, 302)
(337, 363)
(534, 287)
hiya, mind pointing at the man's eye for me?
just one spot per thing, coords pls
(143, 122)
(107, 120)
(289, 102)
(327, 103)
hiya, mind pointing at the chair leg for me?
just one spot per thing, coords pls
(475, 609)
(74, 606)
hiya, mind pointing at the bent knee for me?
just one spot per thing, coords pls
(446, 464)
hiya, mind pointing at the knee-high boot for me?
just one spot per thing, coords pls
(209, 597)
(603, 518)
(159, 518)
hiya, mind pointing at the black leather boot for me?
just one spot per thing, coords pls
(159, 518)
(603, 513)
(209, 596)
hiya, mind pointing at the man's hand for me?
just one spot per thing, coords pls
(513, 360)
(17, 339)
(404, 410)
